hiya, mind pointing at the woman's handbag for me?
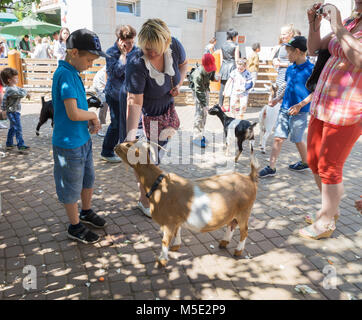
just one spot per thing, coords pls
(228, 87)
(323, 56)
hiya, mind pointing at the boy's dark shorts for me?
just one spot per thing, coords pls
(73, 171)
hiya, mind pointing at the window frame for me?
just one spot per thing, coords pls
(132, 3)
(199, 15)
(244, 14)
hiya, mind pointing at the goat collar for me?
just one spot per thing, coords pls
(155, 184)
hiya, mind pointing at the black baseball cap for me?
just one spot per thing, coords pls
(298, 42)
(84, 39)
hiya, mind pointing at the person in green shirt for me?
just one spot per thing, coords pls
(201, 78)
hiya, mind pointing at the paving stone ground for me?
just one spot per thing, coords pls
(33, 231)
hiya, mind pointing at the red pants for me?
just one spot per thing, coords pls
(328, 147)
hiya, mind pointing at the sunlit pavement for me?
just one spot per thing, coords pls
(122, 266)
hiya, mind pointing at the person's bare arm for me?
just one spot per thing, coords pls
(183, 71)
(76, 114)
(296, 108)
(134, 110)
(351, 46)
(314, 42)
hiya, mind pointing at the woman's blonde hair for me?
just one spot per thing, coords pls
(155, 34)
(287, 28)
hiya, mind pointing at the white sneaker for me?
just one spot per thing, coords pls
(113, 159)
(2, 125)
(146, 211)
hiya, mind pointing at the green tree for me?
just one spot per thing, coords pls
(12, 4)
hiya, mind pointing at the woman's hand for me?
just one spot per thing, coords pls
(313, 17)
(175, 91)
(276, 63)
(333, 15)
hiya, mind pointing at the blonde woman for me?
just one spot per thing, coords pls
(280, 59)
(154, 75)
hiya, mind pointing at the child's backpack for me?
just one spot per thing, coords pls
(189, 76)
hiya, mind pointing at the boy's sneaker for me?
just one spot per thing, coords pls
(299, 166)
(93, 219)
(267, 172)
(113, 159)
(83, 234)
(10, 147)
(23, 148)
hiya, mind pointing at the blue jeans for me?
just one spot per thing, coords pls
(291, 125)
(14, 130)
(112, 136)
(73, 171)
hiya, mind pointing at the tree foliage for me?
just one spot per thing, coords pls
(13, 4)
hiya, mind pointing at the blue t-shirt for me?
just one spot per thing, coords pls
(295, 91)
(67, 84)
(156, 98)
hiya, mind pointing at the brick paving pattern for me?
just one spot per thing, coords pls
(33, 232)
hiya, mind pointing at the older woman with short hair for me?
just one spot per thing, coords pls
(116, 75)
(154, 75)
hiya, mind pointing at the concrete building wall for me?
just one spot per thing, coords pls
(102, 17)
(268, 16)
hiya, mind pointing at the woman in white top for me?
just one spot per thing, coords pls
(60, 48)
(41, 49)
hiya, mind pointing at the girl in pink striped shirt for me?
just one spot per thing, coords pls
(336, 109)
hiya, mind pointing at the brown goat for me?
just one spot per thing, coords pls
(202, 205)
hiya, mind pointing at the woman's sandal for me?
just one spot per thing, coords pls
(311, 218)
(309, 233)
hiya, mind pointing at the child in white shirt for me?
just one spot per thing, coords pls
(238, 86)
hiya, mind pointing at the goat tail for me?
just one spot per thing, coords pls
(254, 165)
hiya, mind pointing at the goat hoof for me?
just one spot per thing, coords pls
(223, 244)
(162, 263)
(238, 253)
(37, 133)
(175, 248)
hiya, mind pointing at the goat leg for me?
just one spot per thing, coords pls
(166, 240)
(177, 242)
(243, 234)
(227, 237)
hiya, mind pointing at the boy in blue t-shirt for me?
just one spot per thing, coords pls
(72, 144)
(293, 114)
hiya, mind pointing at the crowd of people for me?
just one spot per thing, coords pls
(47, 47)
(139, 83)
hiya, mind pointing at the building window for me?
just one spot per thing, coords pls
(131, 7)
(194, 14)
(244, 8)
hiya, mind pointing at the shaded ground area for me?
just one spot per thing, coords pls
(33, 231)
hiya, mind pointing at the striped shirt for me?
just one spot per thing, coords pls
(338, 95)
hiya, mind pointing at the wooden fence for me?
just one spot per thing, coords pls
(38, 73)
